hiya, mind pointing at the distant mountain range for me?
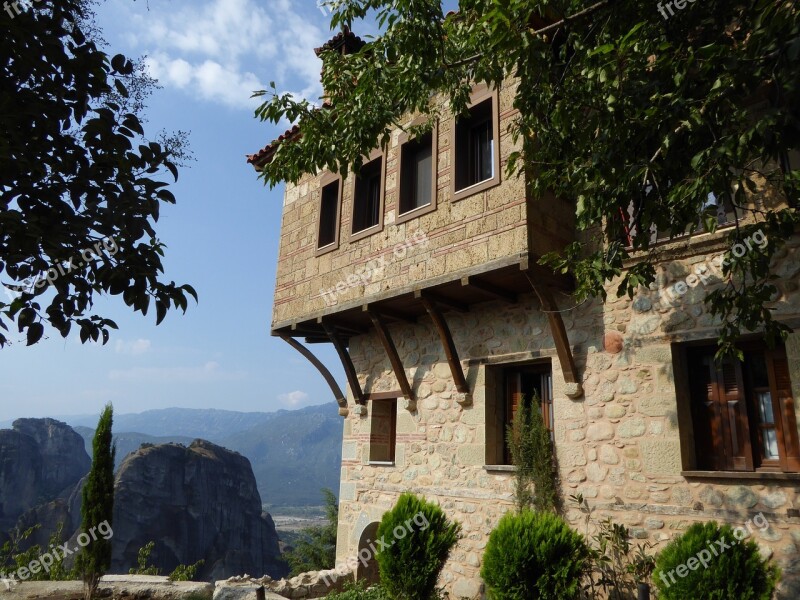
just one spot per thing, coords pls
(294, 453)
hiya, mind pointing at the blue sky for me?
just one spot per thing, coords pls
(222, 235)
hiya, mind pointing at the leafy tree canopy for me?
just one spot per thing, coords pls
(80, 185)
(621, 109)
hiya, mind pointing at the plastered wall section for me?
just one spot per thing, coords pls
(619, 445)
(473, 231)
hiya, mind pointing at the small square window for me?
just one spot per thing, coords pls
(328, 215)
(417, 174)
(475, 146)
(383, 431)
(367, 196)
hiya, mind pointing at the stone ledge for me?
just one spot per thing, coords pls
(750, 475)
(112, 586)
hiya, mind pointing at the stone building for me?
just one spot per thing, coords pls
(422, 271)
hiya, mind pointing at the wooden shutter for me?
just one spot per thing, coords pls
(735, 425)
(783, 407)
(706, 414)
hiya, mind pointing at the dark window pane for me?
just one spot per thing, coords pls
(329, 207)
(475, 146)
(367, 201)
(417, 174)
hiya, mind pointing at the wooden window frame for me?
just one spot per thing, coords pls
(403, 140)
(326, 180)
(372, 229)
(392, 430)
(499, 419)
(751, 459)
(480, 94)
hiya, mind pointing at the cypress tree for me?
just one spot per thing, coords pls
(98, 505)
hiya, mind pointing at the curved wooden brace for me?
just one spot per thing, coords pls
(337, 391)
(446, 337)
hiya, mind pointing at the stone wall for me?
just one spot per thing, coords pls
(488, 226)
(314, 584)
(619, 445)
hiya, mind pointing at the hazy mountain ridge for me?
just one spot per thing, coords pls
(293, 453)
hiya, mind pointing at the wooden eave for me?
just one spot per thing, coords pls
(505, 280)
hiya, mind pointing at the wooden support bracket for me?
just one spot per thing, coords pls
(559, 332)
(450, 351)
(341, 400)
(394, 358)
(347, 363)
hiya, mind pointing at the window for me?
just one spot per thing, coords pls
(719, 207)
(742, 413)
(511, 386)
(417, 174)
(368, 196)
(328, 231)
(477, 160)
(383, 431)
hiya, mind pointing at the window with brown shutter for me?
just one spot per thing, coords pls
(743, 411)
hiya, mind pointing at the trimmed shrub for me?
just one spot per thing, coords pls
(418, 538)
(534, 556)
(715, 564)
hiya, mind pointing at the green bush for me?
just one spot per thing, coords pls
(358, 591)
(532, 454)
(186, 572)
(419, 538)
(724, 568)
(533, 556)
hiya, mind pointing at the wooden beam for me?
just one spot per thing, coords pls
(389, 313)
(391, 350)
(347, 363)
(317, 340)
(559, 333)
(385, 395)
(449, 346)
(337, 391)
(441, 300)
(490, 289)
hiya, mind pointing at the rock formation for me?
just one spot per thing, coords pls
(195, 503)
(41, 460)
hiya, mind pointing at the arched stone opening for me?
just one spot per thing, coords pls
(367, 570)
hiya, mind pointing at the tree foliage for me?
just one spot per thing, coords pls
(316, 549)
(532, 455)
(533, 556)
(721, 565)
(81, 186)
(97, 506)
(414, 541)
(635, 117)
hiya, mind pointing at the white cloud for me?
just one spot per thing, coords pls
(133, 347)
(213, 48)
(293, 399)
(206, 373)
